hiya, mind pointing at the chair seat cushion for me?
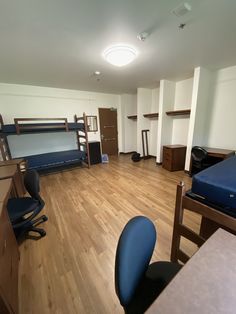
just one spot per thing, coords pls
(157, 277)
(18, 207)
(162, 272)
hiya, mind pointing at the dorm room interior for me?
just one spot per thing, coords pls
(118, 177)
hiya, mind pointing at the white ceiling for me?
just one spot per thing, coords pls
(59, 43)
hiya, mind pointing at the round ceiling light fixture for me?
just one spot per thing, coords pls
(120, 54)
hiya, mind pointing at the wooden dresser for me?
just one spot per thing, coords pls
(9, 255)
(174, 157)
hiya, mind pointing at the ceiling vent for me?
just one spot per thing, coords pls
(182, 9)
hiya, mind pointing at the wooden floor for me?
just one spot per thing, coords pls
(71, 270)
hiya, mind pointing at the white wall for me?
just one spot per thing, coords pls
(18, 101)
(128, 106)
(200, 112)
(165, 123)
(183, 99)
(144, 105)
(154, 122)
(221, 125)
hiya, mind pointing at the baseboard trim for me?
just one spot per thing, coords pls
(122, 153)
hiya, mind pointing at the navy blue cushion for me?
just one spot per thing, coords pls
(157, 277)
(217, 184)
(134, 251)
(55, 159)
(18, 207)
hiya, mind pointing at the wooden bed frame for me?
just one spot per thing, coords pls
(62, 124)
(212, 219)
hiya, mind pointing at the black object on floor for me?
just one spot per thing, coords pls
(136, 157)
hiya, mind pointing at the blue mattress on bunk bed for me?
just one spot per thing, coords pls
(216, 186)
(11, 128)
(55, 159)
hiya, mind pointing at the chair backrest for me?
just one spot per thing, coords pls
(133, 255)
(198, 153)
(31, 182)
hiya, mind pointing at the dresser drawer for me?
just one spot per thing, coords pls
(167, 152)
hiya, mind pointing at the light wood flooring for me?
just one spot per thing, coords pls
(71, 270)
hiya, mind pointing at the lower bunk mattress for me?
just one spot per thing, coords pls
(55, 159)
(216, 186)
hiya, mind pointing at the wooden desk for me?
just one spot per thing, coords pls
(19, 162)
(5, 186)
(9, 257)
(206, 284)
(12, 172)
(219, 152)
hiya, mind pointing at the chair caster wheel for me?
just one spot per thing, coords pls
(45, 218)
(43, 233)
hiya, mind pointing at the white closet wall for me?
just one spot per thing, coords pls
(221, 123)
(183, 100)
(144, 105)
(165, 125)
(200, 111)
(128, 107)
(154, 123)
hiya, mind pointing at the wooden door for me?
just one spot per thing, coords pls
(108, 130)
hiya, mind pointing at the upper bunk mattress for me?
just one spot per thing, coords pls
(217, 184)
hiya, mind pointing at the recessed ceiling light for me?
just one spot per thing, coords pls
(120, 54)
(97, 73)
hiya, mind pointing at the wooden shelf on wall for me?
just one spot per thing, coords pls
(151, 115)
(133, 117)
(178, 112)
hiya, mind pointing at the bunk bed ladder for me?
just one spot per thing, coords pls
(82, 139)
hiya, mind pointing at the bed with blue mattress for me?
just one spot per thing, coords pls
(216, 186)
(54, 160)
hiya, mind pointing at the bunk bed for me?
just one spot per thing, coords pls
(51, 160)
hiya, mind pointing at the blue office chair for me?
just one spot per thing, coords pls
(23, 210)
(137, 283)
